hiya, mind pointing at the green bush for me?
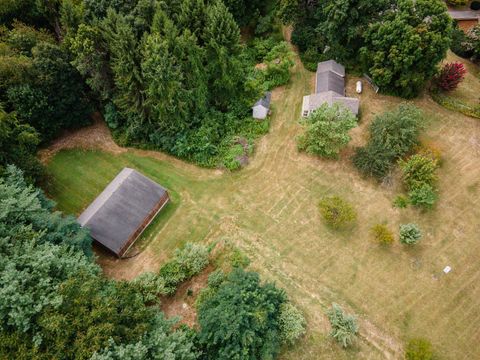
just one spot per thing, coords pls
(419, 170)
(326, 131)
(423, 196)
(419, 349)
(186, 263)
(382, 234)
(292, 323)
(457, 2)
(337, 213)
(344, 326)
(392, 135)
(410, 234)
(150, 286)
(401, 202)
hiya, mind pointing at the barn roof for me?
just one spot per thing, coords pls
(332, 66)
(265, 100)
(122, 210)
(330, 81)
(314, 101)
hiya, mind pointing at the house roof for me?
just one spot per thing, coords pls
(464, 14)
(329, 81)
(122, 209)
(314, 101)
(264, 101)
(332, 66)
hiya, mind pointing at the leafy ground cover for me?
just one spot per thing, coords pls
(270, 211)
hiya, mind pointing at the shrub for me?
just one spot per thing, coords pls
(326, 131)
(429, 150)
(337, 212)
(451, 75)
(192, 259)
(344, 326)
(392, 135)
(401, 202)
(410, 234)
(382, 234)
(419, 349)
(419, 170)
(292, 323)
(150, 286)
(423, 196)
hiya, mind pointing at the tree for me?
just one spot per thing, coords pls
(241, 320)
(344, 326)
(326, 131)
(401, 52)
(18, 145)
(392, 135)
(54, 99)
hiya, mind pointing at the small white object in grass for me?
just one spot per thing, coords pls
(359, 87)
(447, 269)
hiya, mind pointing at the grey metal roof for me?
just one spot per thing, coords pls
(331, 65)
(121, 209)
(330, 81)
(464, 14)
(264, 101)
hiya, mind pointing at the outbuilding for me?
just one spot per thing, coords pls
(262, 107)
(119, 215)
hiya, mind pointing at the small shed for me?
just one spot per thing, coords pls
(119, 215)
(262, 107)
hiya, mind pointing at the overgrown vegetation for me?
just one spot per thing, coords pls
(419, 349)
(326, 130)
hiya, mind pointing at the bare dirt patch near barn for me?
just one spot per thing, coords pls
(270, 211)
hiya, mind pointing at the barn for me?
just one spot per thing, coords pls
(119, 215)
(261, 108)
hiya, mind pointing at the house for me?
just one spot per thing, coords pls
(119, 215)
(329, 88)
(262, 107)
(466, 19)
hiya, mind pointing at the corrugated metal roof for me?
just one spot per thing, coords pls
(121, 209)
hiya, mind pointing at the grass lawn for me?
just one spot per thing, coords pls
(270, 211)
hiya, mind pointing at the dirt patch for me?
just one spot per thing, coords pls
(183, 302)
(95, 136)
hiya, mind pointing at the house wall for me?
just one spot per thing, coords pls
(259, 112)
(161, 203)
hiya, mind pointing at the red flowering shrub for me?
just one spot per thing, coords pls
(451, 75)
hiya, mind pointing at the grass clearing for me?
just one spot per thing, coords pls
(269, 210)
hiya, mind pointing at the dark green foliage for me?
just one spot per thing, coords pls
(158, 344)
(344, 326)
(337, 213)
(423, 196)
(392, 135)
(326, 131)
(54, 97)
(18, 145)
(460, 44)
(241, 320)
(419, 349)
(23, 205)
(401, 52)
